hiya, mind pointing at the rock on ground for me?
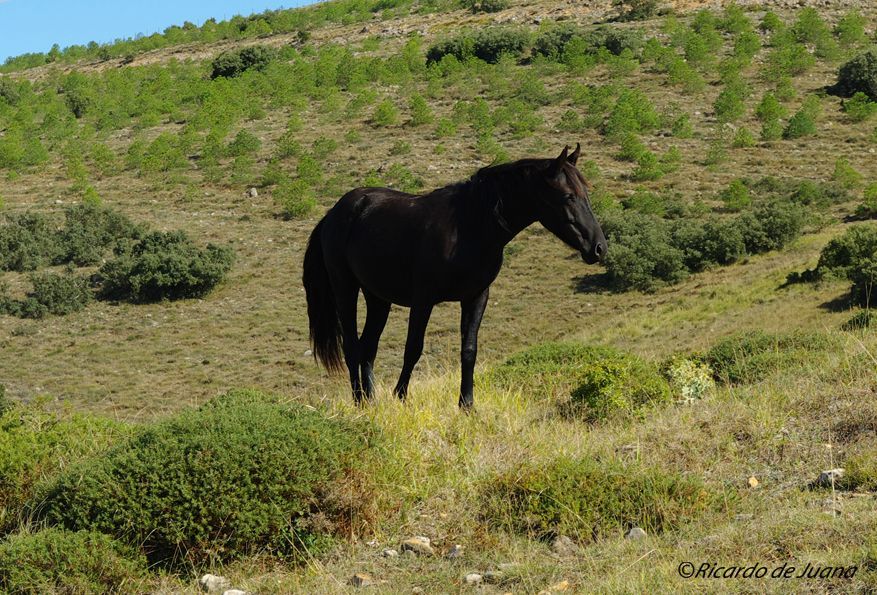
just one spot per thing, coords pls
(473, 578)
(829, 476)
(564, 546)
(361, 579)
(213, 583)
(419, 545)
(636, 533)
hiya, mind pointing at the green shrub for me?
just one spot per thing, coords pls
(800, 124)
(239, 475)
(852, 256)
(770, 109)
(850, 29)
(58, 561)
(589, 499)
(633, 112)
(771, 22)
(868, 208)
(860, 321)
(788, 58)
(730, 105)
(859, 75)
(643, 256)
(28, 241)
(385, 114)
(736, 196)
(709, 243)
(550, 370)
(845, 174)
(752, 356)
(636, 10)
(234, 63)
(770, 226)
(420, 111)
(810, 28)
(743, 139)
(860, 472)
(90, 230)
(244, 143)
(616, 384)
(488, 44)
(691, 379)
(53, 294)
(477, 6)
(162, 266)
(859, 107)
(296, 198)
(36, 444)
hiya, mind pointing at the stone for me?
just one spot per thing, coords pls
(419, 545)
(473, 578)
(361, 579)
(636, 533)
(455, 552)
(829, 477)
(743, 517)
(234, 592)
(253, 193)
(389, 553)
(494, 576)
(752, 481)
(213, 583)
(564, 546)
(559, 587)
(308, 353)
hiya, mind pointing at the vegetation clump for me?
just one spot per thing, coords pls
(36, 444)
(58, 561)
(51, 294)
(859, 75)
(289, 478)
(590, 499)
(164, 265)
(752, 356)
(234, 63)
(488, 44)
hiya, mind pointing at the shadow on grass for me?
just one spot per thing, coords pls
(592, 283)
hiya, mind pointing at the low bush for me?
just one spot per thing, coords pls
(636, 10)
(852, 256)
(295, 198)
(617, 384)
(736, 196)
(868, 208)
(691, 379)
(859, 75)
(488, 44)
(477, 6)
(845, 175)
(860, 472)
(90, 231)
(51, 294)
(162, 266)
(58, 561)
(234, 63)
(643, 255)
(289, 476)
(770, 226)
(36, 444)
(548, 369)
(244, 143)
(859, 107)
(800, 124)
(589, 499)
(850, 29)
(752, 356)
(704, 244)
(860, 321)
(28, 241)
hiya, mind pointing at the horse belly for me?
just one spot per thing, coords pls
(383, 263)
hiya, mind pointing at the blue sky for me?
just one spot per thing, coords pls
(34, 25)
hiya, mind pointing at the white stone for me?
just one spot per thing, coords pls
(213, 583)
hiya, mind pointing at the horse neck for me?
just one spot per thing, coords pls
(505, 201)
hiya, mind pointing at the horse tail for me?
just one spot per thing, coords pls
(325, 326)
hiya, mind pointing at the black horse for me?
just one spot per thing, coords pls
(417, 251)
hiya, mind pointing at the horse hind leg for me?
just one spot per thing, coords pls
(377, 311)
(346, 297)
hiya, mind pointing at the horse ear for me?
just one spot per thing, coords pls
(574, 157)
(557, 167)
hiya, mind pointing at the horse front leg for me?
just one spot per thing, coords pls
(470, 322)
(417, 322)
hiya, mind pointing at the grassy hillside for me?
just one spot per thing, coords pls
(698, 129)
